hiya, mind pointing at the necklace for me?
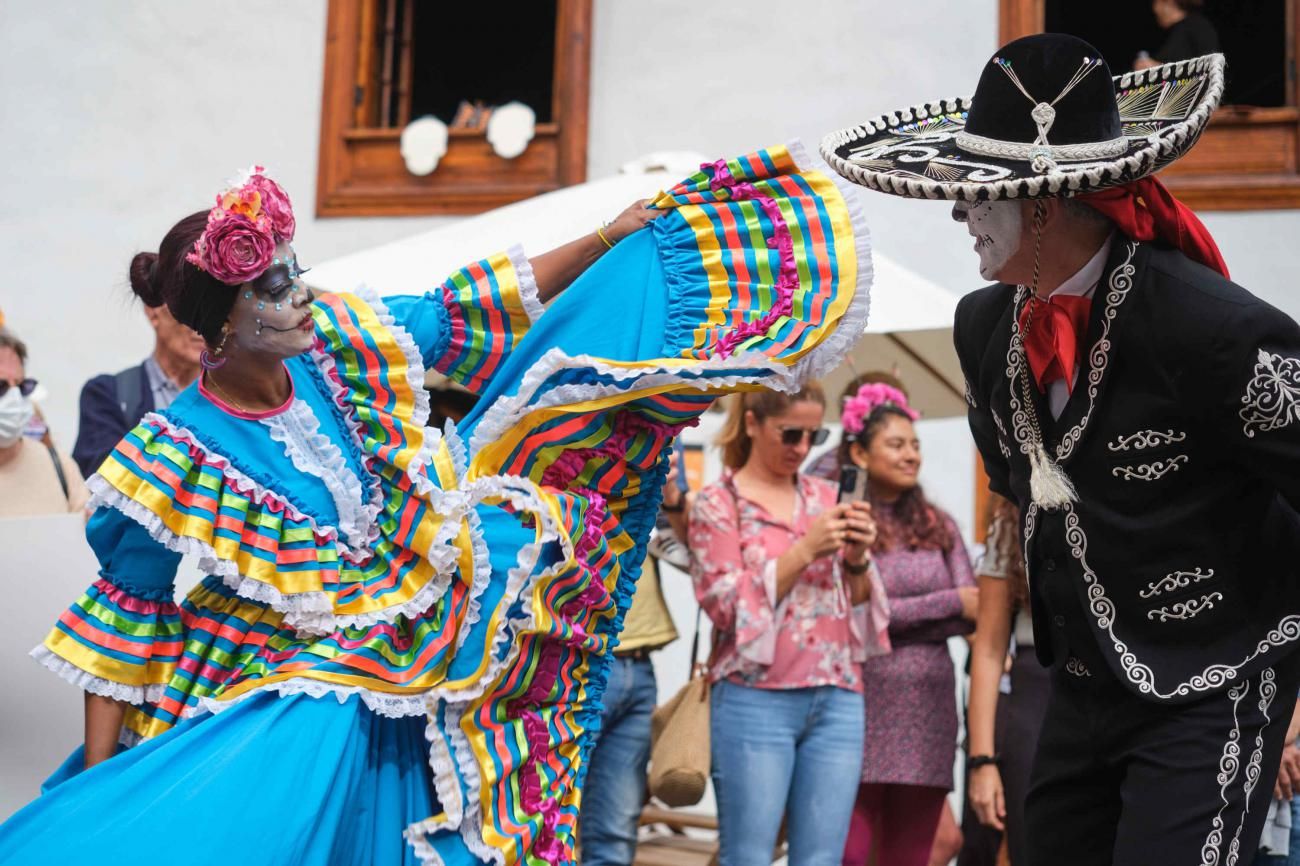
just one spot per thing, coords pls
(225, 395)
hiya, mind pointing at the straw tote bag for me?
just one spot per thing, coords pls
(679, 738)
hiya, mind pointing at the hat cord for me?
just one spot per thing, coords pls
(1049, 486)
(1044, 113)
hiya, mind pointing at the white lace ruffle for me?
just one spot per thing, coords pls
(447, 788)
(406, 343)
(88, 682)
(469, 817)
(505, 412)
(312, 452)
(521, 581)
(471, 824)
(528, 293)
(832, 351)
(508, 411)
(308, 612)
(389, 706)
(417, 471)
(524, 496)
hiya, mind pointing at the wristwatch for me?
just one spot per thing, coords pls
(974, 762)
(674, 509)
(856, 568)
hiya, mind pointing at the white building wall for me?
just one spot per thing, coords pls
(121, 117)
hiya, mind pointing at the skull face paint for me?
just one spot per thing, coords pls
(272, 313)
(996, 227)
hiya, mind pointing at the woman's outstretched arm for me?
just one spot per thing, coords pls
(556, 270)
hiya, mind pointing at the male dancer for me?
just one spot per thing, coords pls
(1145, 413)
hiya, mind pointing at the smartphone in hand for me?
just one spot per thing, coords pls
(853, 483)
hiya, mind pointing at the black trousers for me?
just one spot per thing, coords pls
(1120, 781)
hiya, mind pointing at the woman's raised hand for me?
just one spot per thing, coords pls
(635, 216)
(861, 532)
(827, 533)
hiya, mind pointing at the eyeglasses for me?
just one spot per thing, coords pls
(25, 387)
(797, 435)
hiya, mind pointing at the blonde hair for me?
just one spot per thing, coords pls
(735, 441)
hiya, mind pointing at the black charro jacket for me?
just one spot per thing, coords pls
(1181, 557)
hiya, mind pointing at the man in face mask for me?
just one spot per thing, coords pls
(111, 404)
(35, 478)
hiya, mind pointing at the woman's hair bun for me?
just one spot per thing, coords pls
(144, 279)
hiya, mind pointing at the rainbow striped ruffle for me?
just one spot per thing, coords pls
(764, 269)
(484, 586)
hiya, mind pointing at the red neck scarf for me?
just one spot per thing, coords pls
(1055, 337)
(1146, 210)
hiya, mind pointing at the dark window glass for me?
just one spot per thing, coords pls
(483, 53)
(1252, 34)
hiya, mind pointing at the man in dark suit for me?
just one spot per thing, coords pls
(111, 404)
(1144, 411)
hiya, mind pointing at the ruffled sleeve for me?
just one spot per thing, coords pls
(467, 327)
(123, 637)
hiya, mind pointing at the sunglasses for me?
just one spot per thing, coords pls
(797, 435)
(25, 387)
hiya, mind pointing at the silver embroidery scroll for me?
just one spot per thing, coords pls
(1272, 398)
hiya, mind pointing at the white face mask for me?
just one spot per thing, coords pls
(15, 411)
(996, 227)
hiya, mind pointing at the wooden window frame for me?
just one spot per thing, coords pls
(361, 171)
(1214, 175)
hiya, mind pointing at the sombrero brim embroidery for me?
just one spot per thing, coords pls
(915, 152)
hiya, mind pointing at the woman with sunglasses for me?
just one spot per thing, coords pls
(778, 567)
(35, 477)
(910, 693)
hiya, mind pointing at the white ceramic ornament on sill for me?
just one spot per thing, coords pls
(510, 128)
(423, 144)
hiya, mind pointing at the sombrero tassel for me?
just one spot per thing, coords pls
(1049, 486)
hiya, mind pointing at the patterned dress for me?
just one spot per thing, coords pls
(911, 691)
(400, 646)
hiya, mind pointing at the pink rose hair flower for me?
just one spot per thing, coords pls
(275, 204)
(249, 220)
(870, 397)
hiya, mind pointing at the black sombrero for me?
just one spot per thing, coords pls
(1047, 119)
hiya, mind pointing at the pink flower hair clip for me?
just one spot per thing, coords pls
(251, 217)
(869, 398)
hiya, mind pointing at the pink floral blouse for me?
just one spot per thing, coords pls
(812, 637)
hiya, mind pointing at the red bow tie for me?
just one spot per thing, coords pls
(1055, 336)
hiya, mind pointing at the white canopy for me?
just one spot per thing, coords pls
(909, 328)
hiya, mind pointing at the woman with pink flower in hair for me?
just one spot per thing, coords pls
(400, 642)
(910, 692)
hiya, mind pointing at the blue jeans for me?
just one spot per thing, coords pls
(791, 752)
(1293, 855)
(615, 789)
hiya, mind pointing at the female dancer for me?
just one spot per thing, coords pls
(400, 646)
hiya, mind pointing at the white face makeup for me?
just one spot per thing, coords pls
(272, 314)
(996, 227)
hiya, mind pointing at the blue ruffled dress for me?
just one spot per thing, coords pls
(398, 652)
